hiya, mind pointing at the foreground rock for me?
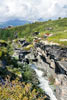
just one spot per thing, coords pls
(62, 67)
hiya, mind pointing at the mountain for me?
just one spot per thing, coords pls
(15, 22)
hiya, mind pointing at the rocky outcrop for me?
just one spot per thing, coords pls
(56, 57)
(52, 59)
(62, 67)
(53, 53)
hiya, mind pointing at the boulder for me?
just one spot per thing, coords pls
(25, 44)
(22, 41)
(36, 33)
(61, 66)
(52, 64)
(57, 82)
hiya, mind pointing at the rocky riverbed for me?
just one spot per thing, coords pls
(52, 60)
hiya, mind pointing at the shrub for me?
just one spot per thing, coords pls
(29, 75)
(17, 90)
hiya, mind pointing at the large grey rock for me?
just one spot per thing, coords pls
(61, 89)
(56, 52)
(62, 66)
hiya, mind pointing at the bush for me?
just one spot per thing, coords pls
(16, 90)
(29, 75)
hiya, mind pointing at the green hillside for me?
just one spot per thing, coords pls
(58, 28)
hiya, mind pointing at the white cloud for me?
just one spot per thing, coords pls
(32, 9)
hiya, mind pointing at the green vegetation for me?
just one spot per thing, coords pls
(29, 75)
(16, 90)
(3, 52)
(28, 47)
(57, 27)
(57, 37)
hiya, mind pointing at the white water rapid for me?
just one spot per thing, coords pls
(44, 83)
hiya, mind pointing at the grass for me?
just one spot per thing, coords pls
(59, 28)
(56, 38)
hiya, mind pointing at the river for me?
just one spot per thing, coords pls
(44, 84)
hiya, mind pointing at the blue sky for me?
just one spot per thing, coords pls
(32, 10)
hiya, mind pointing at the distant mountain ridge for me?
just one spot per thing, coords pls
(15, 22)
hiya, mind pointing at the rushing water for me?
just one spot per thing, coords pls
(44, 83)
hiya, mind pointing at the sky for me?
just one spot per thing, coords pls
(32, 10)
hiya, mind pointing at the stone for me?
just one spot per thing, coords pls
(62, 66)
(25, 44)
(58, 93)
(36, 33)
(61, 87)
(48, 60)
(52, 64)
(22, 41)
(57, 82)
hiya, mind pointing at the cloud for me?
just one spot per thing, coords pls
(32, 9)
